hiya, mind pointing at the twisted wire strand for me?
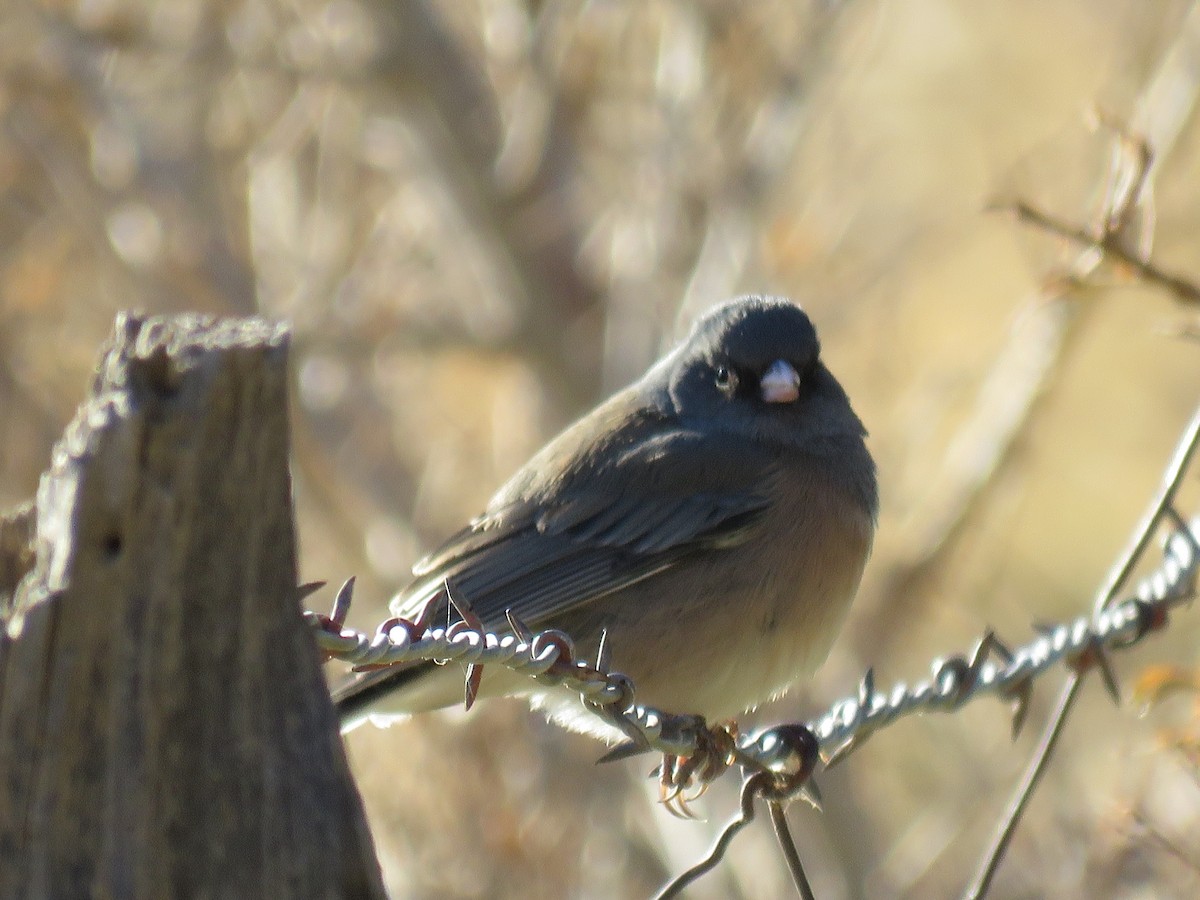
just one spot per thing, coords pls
(548, 657)
(953, 684)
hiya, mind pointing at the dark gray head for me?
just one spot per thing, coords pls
(753, 366)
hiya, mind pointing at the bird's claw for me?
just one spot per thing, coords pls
(714, 755)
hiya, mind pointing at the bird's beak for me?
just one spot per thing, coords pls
(780, 383)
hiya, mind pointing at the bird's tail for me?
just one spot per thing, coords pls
(383, 694)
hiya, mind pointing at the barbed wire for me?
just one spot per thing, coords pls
(778, 761)
(1081, 644)
(549, 658)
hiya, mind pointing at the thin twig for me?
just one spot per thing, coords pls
(787, 845)
(1110, 244)
(1117, 577)
(1164, 842)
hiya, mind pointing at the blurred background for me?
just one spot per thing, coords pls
(480, 216)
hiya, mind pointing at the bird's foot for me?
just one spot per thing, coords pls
(685, 779)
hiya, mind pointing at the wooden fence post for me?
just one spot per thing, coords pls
(164, 726)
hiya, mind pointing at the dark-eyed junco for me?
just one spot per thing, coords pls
(714, 518)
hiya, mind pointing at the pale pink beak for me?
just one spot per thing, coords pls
(780, 383)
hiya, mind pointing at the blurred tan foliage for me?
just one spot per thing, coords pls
(480, 216)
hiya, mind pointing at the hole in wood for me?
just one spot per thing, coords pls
(111, 545)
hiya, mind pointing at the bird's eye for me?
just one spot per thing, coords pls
(725, 379)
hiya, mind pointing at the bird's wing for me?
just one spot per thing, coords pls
(611, 519)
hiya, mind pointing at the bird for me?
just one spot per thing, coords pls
(712, 521)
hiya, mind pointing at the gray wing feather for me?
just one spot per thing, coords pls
(554, 548)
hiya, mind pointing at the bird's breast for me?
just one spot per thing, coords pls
(729, 629)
